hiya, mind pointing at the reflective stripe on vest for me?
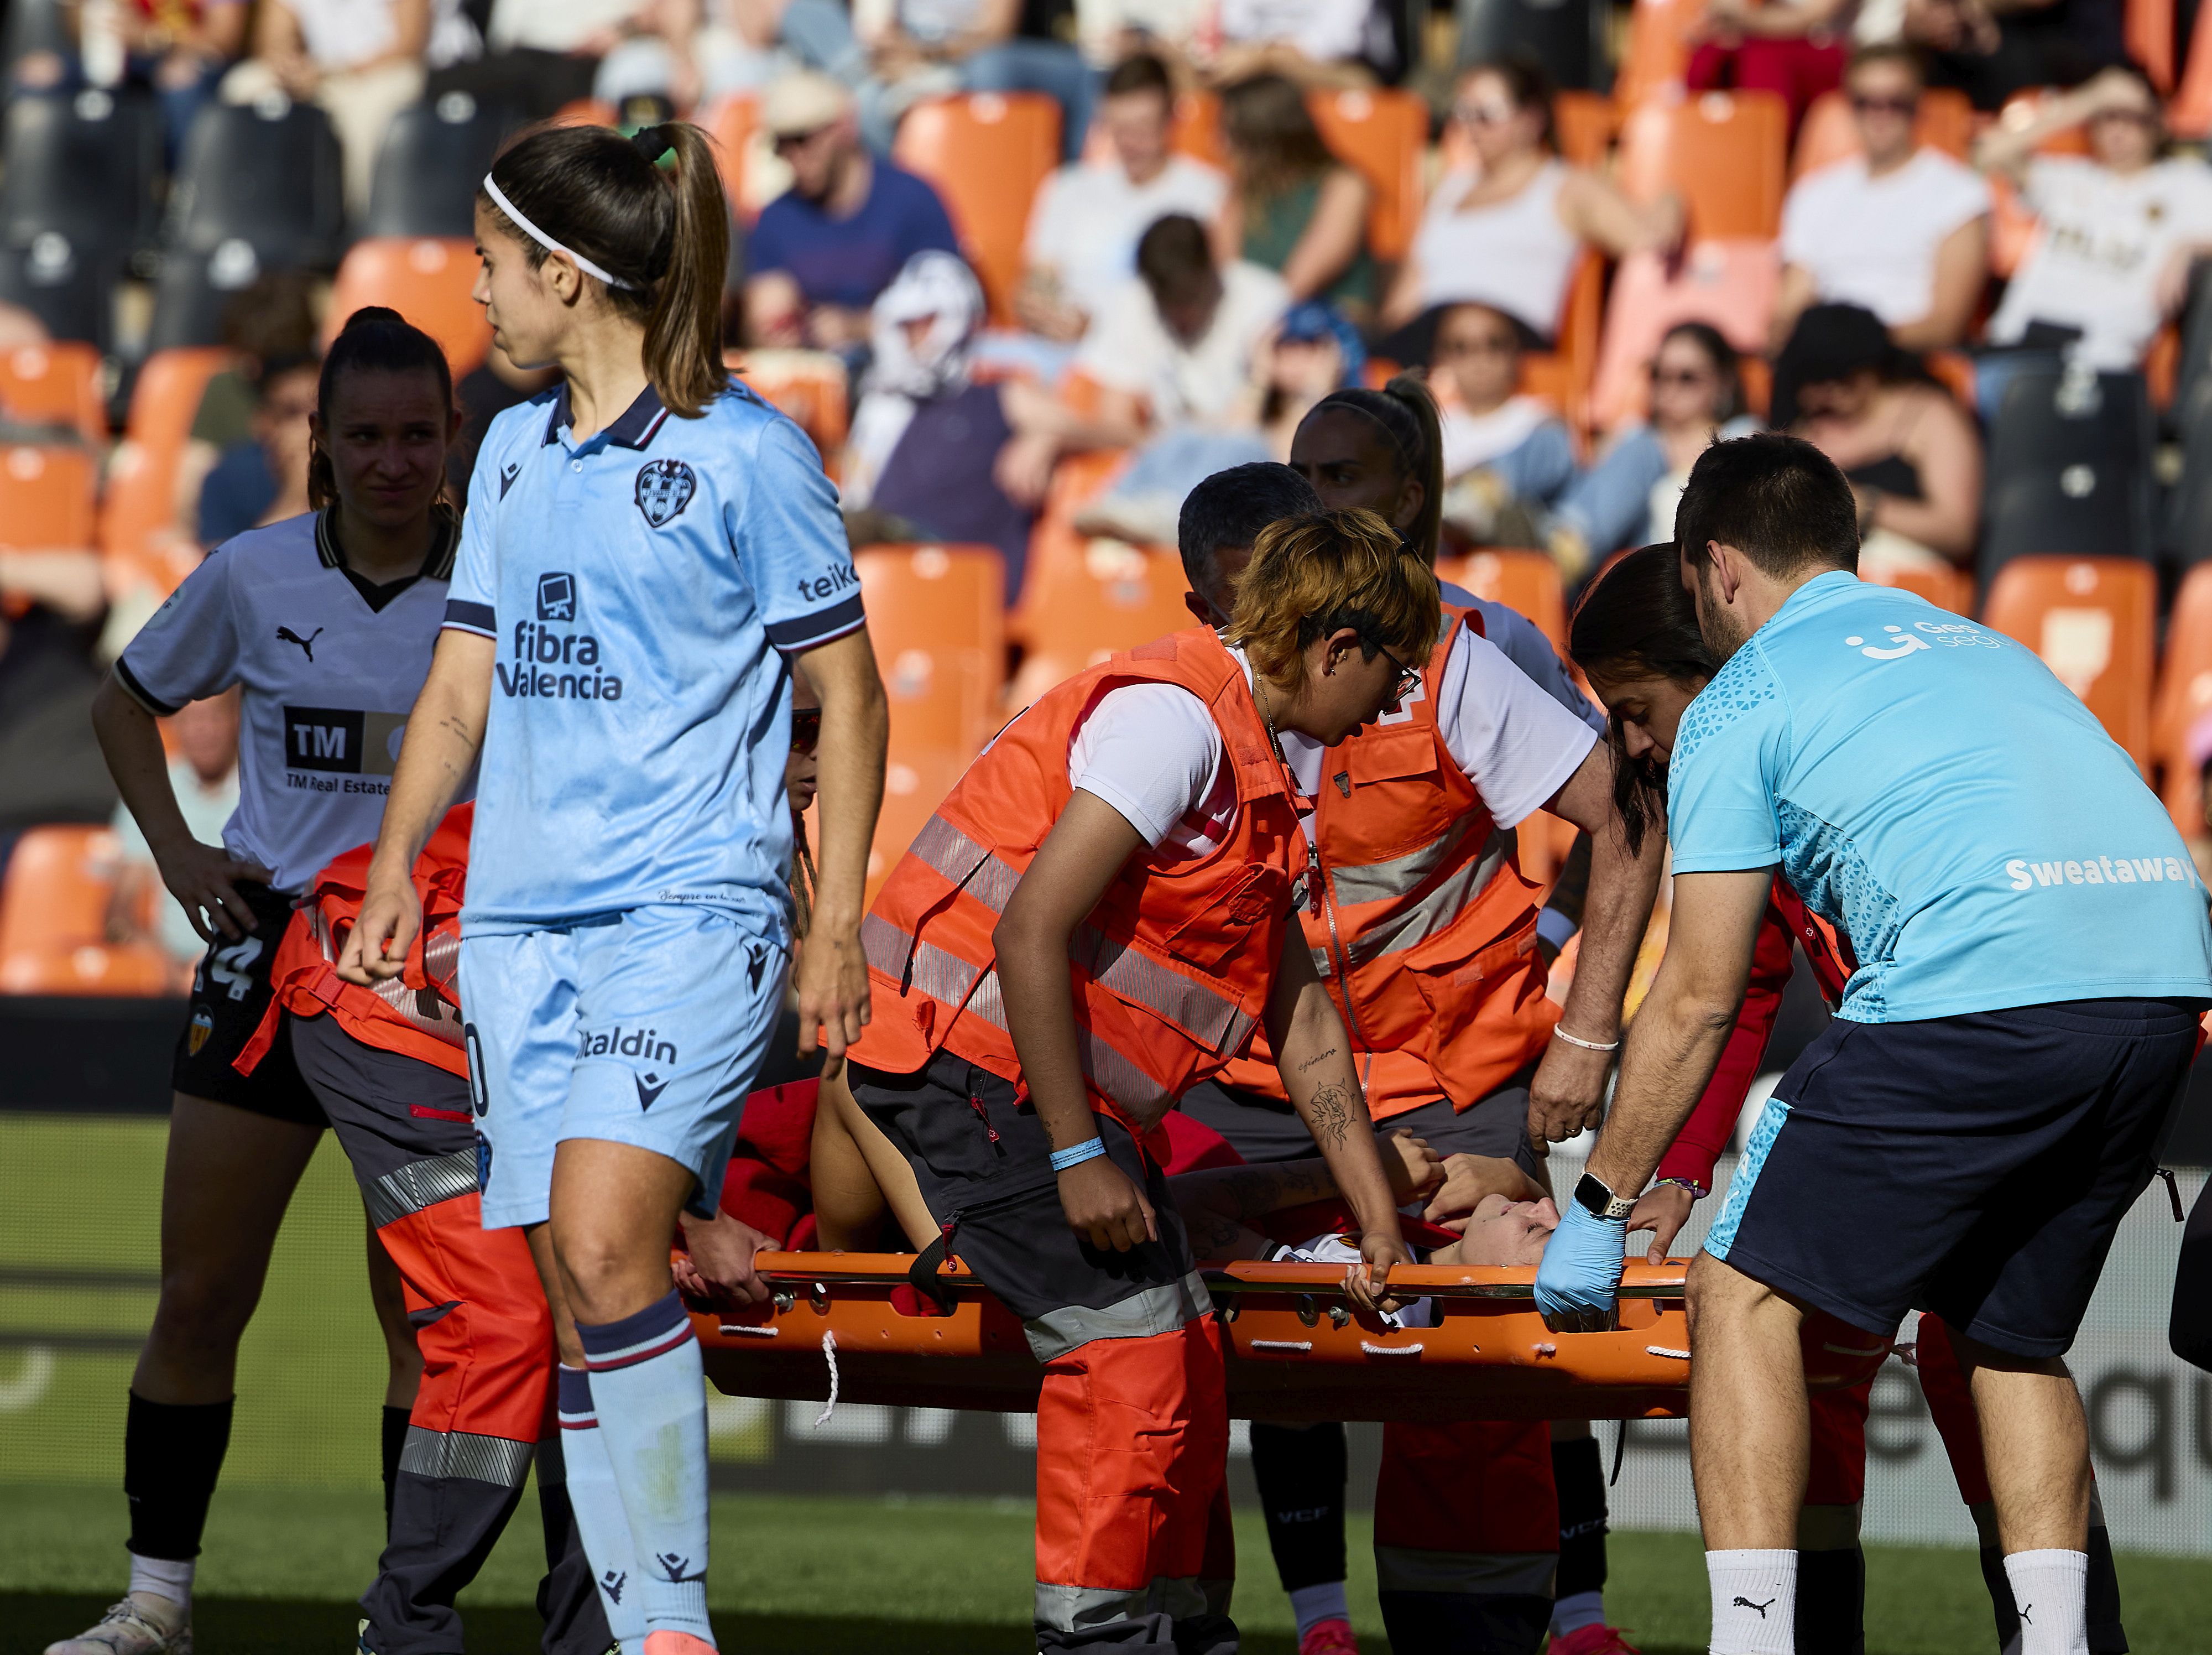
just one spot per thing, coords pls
(419, 1184)
(1146, 1315)
(1082, 1608)
(498, 1460)
(1418, 921)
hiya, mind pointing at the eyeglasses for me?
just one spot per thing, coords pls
(1863, 105)
(1485, 114)
(805, 729)
(787, 140)
(1407, 676)
(1679, 376)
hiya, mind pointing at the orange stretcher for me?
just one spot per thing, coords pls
(1298, 1349)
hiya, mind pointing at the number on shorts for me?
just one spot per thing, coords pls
(231, 966)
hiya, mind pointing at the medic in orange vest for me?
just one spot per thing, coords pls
(1097, 918)
(1636, 636)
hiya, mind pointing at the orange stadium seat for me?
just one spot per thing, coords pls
(914, 785)
(2189, 113)
(2184, 695)
(1946, 123)
(56, 384)
(1658, 50)
(1197, 128)
(53, 920)
(1110, 597)
(2093, 620)
(936, 617)
(139, 507)
(1730, 284)
(2148, 25)
(1384, 134)
(1525, 580)
(987, 153)
(1946, 588)
(1583, 123)
(45, 497)
(807, 385)
(584, 112)
(427, 280)
(1562, 375)
(732, 124)
(1724, 153)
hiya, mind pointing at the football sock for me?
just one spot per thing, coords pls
(1571, 1614)
(172, 1456)
(1830, 1613)
(2051, 1590)
(1579, 1474)
(1755, 1601)
(161, 1577)
(1313, 1604)
(395, 1443)
(595, 1504)
(651, 1390)
(1301, 1471)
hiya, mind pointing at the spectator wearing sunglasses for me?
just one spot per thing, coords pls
(2121, 228)
(1796, 49)
(1627, 497)
(825, 248)
(1901, 229)
(1508, 234)
(1506, 455)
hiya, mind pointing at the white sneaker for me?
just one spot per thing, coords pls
(139, 1625)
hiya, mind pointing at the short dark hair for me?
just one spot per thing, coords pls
(1777, 499)
(1230, 507)
(1140, 71)
(1888, 52)
(1174, 259)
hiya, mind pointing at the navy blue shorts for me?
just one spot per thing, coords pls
(1975, 1166)
(1263, 1129)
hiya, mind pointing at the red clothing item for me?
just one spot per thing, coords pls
(1786, 924)
(765, 1183)
(1797, 70)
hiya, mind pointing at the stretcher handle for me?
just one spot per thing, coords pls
(1640, 1280)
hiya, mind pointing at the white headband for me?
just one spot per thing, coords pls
(499, 200)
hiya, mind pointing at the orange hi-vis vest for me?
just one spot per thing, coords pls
(417, 1014)
(1426, 933)
(1172, 970)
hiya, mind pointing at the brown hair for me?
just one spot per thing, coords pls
(1310, 576)
(664, 234)
(1274, 144)
(1407, 412)
(374, 340)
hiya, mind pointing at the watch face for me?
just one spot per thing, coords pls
(1593, 1195)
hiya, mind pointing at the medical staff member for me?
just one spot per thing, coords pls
(327, 620)
(1636, 637)
(1097, 918)
(645, 549)
(2032, 952)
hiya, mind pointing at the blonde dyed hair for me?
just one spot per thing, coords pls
(1311, 576)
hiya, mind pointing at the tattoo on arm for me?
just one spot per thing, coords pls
(1318, 1057)
(1331, 1117)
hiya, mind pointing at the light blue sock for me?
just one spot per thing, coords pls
(652, 1395)
(598, 1506)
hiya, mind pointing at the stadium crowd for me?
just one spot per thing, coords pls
(1079, 312)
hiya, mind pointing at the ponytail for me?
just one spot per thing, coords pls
(1407, 414)
(374, 340)
(658, 241)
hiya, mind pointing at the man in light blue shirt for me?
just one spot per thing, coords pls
(2034, 952)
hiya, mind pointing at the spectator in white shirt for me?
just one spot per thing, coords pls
(543, 53)
(1084, 227)
(204, 774)
(1900, 230)
(2121, 228)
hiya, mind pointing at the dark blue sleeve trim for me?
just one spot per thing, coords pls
(139, 693)
(472, 617)
(807, 631)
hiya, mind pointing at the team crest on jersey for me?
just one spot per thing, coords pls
(665, 488)
(202, 1026)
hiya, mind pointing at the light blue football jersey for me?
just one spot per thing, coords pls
(1928, 787)
(644, 588)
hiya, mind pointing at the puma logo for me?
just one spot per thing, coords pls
(1746, 1602)
(286, 635)
(2025, 1619)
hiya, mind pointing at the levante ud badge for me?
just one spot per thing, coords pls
(665, 488)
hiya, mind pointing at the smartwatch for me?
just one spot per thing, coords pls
(1601, 1202)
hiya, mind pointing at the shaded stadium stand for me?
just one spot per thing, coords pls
(46, 496)
(987, 153)
(1079, 609)
(427, 279)
(265, 173)
(1384, 134)
(53, 920)
(1525, 580)
(1724, 153)
(810, 385)
(87, 167)
(192, 291)
(1946, 122)
(2184, 695)
(1730, 284)
(936, 619)
(1568, 37)
(54, 385)
(427, 175)
(2186, 534)
(2069, 469)
(138, 510)
(2094, 620)
(33, 25)
(72, 298)
(1658, 49)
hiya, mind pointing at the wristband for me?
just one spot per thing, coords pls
(1087, 1151)
(1697, 1191)
(1559, 1033)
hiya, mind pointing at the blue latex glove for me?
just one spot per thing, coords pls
(1579, 1283)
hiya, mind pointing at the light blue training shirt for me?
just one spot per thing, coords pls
(1928, 787)
(643, 587)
